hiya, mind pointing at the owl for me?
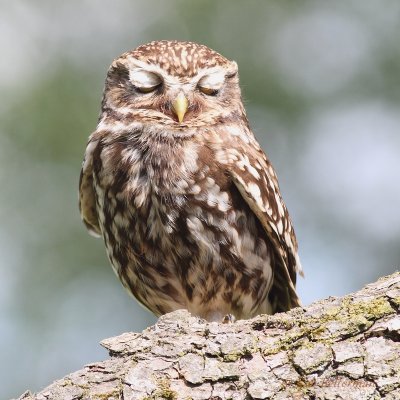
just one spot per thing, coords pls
(185, 199)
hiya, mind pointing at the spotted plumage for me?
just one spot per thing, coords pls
(175, 182)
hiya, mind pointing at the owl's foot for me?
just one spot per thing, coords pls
(228, 319)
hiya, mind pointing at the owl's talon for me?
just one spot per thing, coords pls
(228, 319)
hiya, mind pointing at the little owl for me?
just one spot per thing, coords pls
(175, 182)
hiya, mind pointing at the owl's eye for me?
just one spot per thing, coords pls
(211, 84)
(208, 91)
(147, 89)
(145, 81)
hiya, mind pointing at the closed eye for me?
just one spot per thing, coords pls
(208, 91)
(148, 89)
(145, 81)
(211, 84)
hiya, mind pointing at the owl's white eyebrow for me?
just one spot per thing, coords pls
(212, 79)
(145, 78)
(135, 64)
(210, 71)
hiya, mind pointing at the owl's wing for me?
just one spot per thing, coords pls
(256, 181)
(87, 195)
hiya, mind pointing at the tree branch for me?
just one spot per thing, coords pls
(338, 348)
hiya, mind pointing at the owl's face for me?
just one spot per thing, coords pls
(174, 84)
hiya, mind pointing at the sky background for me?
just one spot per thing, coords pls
(320, 82)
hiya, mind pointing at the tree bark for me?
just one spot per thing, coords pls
(338, 348)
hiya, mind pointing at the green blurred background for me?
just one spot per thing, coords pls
(321, 83)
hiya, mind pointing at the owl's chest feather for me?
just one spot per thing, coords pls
(170, 177)
(184, 218)
(167, 204)
(169, 193)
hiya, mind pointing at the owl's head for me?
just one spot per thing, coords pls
(175, 84)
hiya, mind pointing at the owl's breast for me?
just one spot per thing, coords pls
(185, 235)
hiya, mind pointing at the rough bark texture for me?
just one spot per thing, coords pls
(338, 348)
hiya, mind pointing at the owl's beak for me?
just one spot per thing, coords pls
(180, 106)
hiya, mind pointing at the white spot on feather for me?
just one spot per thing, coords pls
(196, 189)
(238, 131)
(184, 58)
(213, 196)
(244, 162)
(255, 192)
(281, 212)
(227, 156)
(280, 226)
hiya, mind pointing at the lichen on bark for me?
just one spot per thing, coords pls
(337, 348)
